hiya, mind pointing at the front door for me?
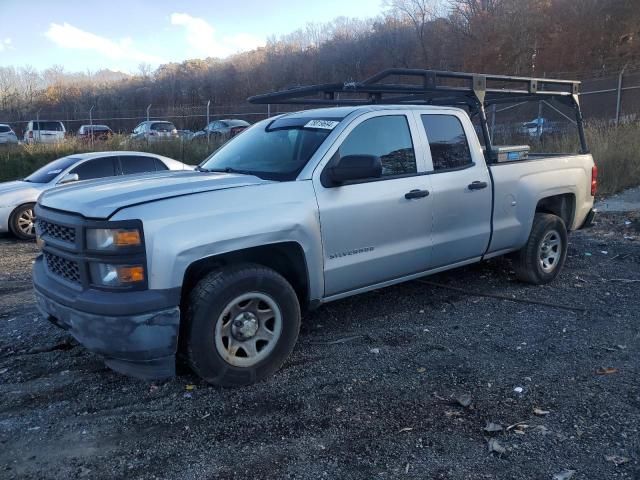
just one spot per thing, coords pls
(377, 230)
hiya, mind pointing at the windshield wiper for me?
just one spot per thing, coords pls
(226, 170)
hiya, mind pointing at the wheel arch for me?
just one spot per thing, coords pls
(11, 216)
(286, 258)
(562, 205)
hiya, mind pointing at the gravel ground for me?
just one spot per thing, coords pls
(375, 388)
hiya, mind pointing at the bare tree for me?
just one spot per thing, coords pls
(420, 13)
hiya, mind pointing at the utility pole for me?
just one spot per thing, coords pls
(148, 108)
(619, 97)
(539, 122)
(493, 121)
(207, 127)
(91, 124)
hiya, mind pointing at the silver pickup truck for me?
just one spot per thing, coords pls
(299, 210)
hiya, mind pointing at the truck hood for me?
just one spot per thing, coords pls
(102, 198)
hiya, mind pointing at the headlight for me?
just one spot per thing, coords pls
(109, 275)
(113, 238)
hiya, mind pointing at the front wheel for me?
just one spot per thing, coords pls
(242, 324)
(23, 222)
(544, 254)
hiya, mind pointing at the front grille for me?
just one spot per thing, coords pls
(67, 269)
(53, 230)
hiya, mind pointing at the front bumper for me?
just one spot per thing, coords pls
(142, 344)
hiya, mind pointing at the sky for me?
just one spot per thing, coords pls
(91, 35)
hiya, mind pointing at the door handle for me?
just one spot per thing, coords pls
(477, 185)
(416, 194)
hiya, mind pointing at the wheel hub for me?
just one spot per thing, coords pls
(245, 326)
(248, 329)
(550, 251)
(26, 222)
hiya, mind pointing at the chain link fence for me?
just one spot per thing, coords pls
(612, 99)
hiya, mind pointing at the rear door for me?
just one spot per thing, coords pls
(371, 232)
(461, 188)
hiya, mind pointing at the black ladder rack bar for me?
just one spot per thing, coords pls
(430, 90)
(476, 91)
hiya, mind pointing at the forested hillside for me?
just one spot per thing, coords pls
(562, 38)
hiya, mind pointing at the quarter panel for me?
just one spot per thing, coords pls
(519, 186)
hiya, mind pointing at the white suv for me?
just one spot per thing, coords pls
(44, 131)
(155, 130)
(7, 135)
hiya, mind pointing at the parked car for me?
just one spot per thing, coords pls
(227, 128)
(7, 135)
(300, 210)
(97, 132)
(17, 198)
(155, 130)
(44, 131)
(185, 134)
(539, 127)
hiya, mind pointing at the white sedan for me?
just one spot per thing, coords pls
(18, 198)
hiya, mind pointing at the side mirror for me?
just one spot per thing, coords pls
(68, 178)
(354, 167)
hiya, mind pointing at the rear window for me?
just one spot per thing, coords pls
(50, 126)
(163, 127)
(51, 170)
(4, 129)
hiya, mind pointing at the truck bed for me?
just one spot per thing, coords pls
(520, 184)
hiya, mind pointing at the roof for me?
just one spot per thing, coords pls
(342, 112)
(109, 153)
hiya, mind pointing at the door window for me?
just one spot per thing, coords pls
(96, 168)
(447, 141)
(386, 137)
(159, 165)
(137, 164)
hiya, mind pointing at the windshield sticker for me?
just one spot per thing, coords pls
(54, 172)
(323, 124)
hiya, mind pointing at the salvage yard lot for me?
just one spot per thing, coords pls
(370, 390)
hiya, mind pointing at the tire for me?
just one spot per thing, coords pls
(22, 222)
(545, 252)
(231, 314)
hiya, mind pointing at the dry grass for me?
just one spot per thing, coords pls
(616, 151)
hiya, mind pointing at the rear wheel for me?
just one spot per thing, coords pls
(23, 222)
(544, 254)
(242, 324)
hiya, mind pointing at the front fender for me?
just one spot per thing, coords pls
(182, 230)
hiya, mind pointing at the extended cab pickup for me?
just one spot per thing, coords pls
(299, 210)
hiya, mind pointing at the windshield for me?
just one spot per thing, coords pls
(51, 170)
(273, 150)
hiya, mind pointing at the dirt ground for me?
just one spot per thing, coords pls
(374, 389)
